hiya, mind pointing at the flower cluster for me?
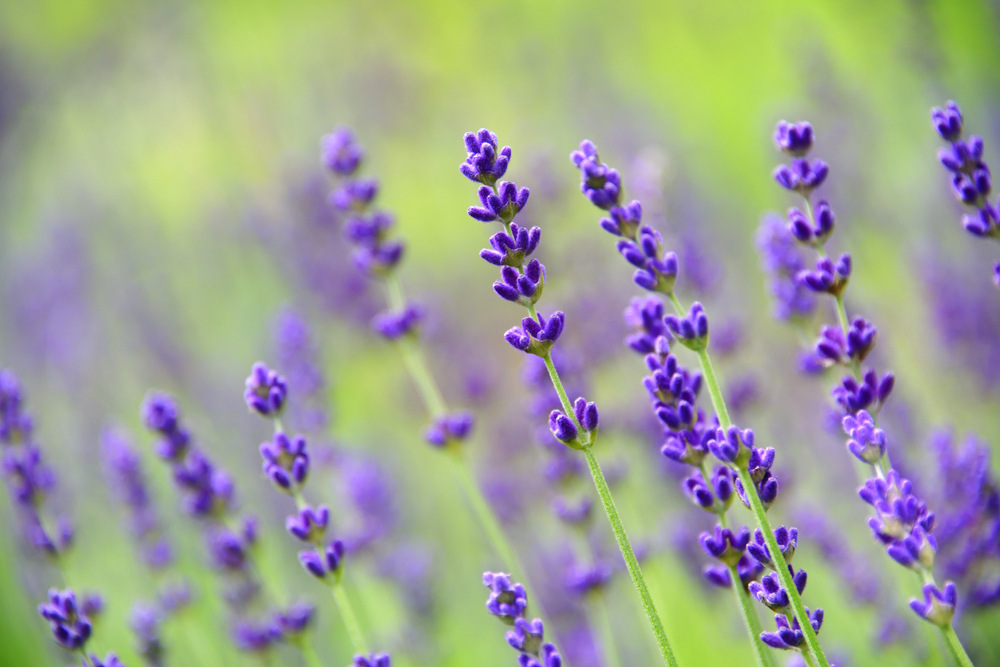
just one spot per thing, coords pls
(209, 495)
(72, 623)
(508, 601)
(521, 279)
(971, 180)
(902, 521)
(849, 344)
(29, 479)
(674, 391)
(967, 516)
(377, 255)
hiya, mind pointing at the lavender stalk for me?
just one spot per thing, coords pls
(656, 272)
(522, 281)
(903, 522)
(378, 256)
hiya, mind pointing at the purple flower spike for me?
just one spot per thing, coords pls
(687, 447)
(584, 579)
(828, 277)
(789, 635)
(600, 183)
(869, 394)
(484, 164)
(340, 152)
(527, 636)
(867, 442)
(772, 595)
(255, 637)
(161, 415)
(265, 391)
(503, 204)
(691, 330)
(374, 660)
(70, 627)
(110, 660)
(802, 176)
(309, 524)
(354, 195)
(508, 601)
(549, 657)
(715, 498)
(794, 138)
(759, 466)
(724, 544)
(536, 336)
(564, 429)
(295, 619)
(286, 462)
(732, 445)
(948, 121)
(513, 248)
(623, 220)
(394, 325)
(450, 430)
(523, 288)
(787, 538)
(645, 314)
(937, 607)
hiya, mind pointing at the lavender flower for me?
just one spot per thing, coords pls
(29, 479)
(375, 660)
(508, 601)
(128, 485)
(265, 391)
(971, 181)
(70, 626)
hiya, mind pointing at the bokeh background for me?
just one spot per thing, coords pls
(162, 202)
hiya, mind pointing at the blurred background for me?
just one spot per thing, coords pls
(163, 213)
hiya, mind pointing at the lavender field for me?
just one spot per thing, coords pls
(535, 334)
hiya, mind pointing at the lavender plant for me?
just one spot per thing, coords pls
(508, 601)
(902, 521)
(971, 180)
(522, 281)
(377, 255)
(209, 495)
(286, 464)
(673, 392)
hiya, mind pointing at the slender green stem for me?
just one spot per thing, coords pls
(599, 605)
(955, 647)
(751, 620)
(757, 507)
(347, 615)
(487, 517)
(631, 563)
(808, 658)
(308, 652)
(761, 653)
(86, 660)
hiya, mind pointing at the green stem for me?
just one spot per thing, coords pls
(955, 647)
(750, 620)
(631, 563)
(487, 518)
(757, 507)
(308, 652)
(413, 357)
(808, 658)
(607, 632)
(348, 616)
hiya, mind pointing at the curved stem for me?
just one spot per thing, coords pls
(348, 616)
(631, 563)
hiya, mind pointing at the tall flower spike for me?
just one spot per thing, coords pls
(537, 336)
(688, 434)
(70, 627)
(971, 180)
(508, 602)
